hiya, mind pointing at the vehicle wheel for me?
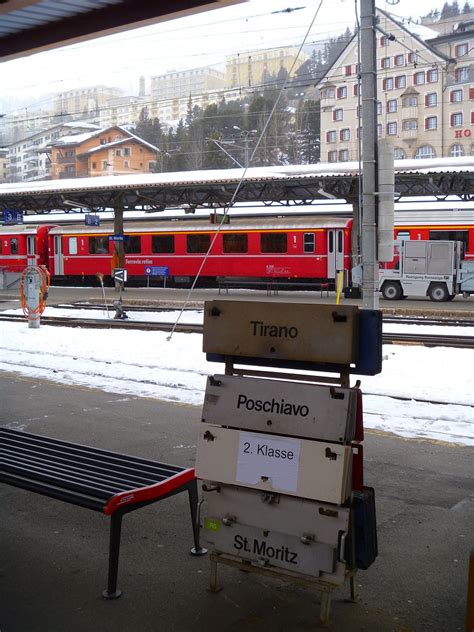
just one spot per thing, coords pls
(438, 292)
(391, 290)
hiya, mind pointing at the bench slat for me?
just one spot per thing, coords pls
(80, 452)
(93, 470)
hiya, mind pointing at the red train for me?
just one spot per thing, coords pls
(305, 247)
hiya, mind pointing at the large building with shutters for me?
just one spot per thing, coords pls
(425, 92)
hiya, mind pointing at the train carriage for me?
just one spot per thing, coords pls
(286, 248)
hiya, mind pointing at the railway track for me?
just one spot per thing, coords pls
(429, 340)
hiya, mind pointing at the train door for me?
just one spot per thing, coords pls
(31, 250)
(335, 251)
(58, 256)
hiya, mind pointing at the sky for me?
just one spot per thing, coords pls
(191, 42)
(409, 398)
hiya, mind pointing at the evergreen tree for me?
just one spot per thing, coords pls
(466, 8)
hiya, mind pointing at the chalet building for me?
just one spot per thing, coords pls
(107, 152)
(29, 157)
(425, 92)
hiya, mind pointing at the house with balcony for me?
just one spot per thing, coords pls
(28, 158)
(107, 152)
(424, 90)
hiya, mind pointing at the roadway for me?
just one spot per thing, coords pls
(53, 564)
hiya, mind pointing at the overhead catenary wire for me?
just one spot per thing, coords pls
(237, 188)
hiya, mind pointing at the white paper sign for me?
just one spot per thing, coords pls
(268, 457)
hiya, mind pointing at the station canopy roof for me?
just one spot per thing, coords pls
(32, 26)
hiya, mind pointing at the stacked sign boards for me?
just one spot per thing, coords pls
(277, 456)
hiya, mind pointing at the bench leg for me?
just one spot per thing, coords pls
(194, 504)
(114, 550)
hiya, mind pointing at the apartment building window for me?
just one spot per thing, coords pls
(332, 156)
(348, 70)
(345, 134)
(431, 99)
(461, 75)
(392, 105)
(431, 122)
(455, 96)
(425, 151)
(379, 107)
(103, 141)
(456, 119)
(127, 151)
(331, 136)
(343, 155)
(399, 60)
(355, 90)
(387, 83)
(399, 153)
(432, 75)
(342, 92)
(379, 130)
(338, 114)
(385, 62)
(456, 151)
(94, 165)
(419, 78)
(461, 49)
(412, 58)
(328, 93)
(118, 152)
(384, 41)
(392, 128)
(409, 124)
(410, 101)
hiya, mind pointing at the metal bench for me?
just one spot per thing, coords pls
(104, 481)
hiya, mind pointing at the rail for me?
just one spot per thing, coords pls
(429, 340)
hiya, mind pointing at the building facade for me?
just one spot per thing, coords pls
(251, 68)
(184, 83)
(121, 111)
(29, 159)
(107, 152)
(84, 102)
(425, 95)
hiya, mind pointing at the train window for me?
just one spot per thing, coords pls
(14, 246)
(309, 242)
(235, 242)
(339, 241)
(451, 235)
(162, 244)
(273, 242)
(198, 243)
(99, 245)
(73, 245)
(132, 245)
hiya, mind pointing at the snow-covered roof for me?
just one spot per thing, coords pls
(74, 139)
(233, 176)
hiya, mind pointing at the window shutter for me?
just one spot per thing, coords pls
(427, 125)
(427, 101)
(384, 84)
(471, 93)
(472, 117)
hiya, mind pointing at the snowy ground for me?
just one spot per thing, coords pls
(422, 392)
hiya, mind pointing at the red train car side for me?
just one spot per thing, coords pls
(257, 248)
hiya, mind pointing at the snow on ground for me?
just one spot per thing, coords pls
(422, 392)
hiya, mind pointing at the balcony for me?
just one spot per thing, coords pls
(409, 134)
(63, 175)
(66, 160)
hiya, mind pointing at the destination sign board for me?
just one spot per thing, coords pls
(12, 217)
(313, 411)
(92, 220)
(282, 331)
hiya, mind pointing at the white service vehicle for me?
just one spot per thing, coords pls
(427, 268)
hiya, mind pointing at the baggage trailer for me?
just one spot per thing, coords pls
(427, 268)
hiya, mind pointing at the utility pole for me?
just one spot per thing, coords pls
(368, 46)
